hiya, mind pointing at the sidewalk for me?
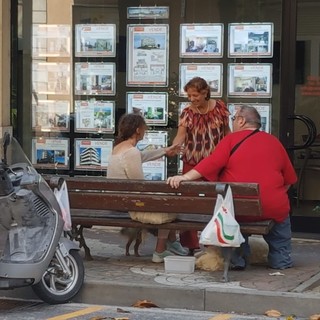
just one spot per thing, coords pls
(114, 279)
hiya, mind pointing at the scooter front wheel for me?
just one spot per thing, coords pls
(57, 287)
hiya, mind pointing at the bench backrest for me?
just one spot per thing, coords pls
(100, 193)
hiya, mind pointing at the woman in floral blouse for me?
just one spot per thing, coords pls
(202, 125)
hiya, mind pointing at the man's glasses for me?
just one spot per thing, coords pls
(235, 117)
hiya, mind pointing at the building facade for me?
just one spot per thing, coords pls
(71, 68)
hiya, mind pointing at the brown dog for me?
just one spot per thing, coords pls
(137, 235)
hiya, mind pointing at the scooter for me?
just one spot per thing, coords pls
(34, 248)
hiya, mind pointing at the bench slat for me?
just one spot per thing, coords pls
(194, 187)
(157, 203)
(183, 222)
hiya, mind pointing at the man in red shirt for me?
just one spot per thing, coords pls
(250, 155)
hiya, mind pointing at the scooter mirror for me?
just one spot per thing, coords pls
(6, 142)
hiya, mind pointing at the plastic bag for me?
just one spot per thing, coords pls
(63, 200)
(223, 230)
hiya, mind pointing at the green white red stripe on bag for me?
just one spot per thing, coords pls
(222, 236)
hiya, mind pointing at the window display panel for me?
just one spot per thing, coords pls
(253, 40)
(151, 105)
(264, 110)
(148, 12)
(50, 153)
(201, 40)
(95, 40)
(95, 78)
(51, 40)
(51, 77)
(94, 116)
(250, 80)
(147, 55)
(211, 72)
(156, 169)
(51, 115)
(92, 154)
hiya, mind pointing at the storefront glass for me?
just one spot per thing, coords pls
(88, 62)
(307, 125)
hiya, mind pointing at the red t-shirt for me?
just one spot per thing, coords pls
(260, 159)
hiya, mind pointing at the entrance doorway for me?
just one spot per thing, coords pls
(306, 194)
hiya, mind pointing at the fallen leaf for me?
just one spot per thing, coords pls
(99, 318)
(144, 304)
(315, 317)
(290, 318)
(122, 311)
(273, 313)
(126, 318)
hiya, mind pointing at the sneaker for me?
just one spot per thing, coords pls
(177, 248)
(159, 257)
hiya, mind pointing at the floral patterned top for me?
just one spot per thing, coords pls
(204, 131)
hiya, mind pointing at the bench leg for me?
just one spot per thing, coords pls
(226, 253)
(78, 236)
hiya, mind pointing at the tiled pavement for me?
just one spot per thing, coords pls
(115, 279)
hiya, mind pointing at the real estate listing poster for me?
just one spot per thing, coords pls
(51, 40)
(252, 80)
(156, 169)
(251, 40)
(148, 12)
(51, 77)
(264, 110)
(92, 154)
(94, 116)
(51, 115)
(153, 106)
(202, 40)
(211, 72)
(94, 78)
(50, 153)
(147, 52)
(182, 105)
(95, 40)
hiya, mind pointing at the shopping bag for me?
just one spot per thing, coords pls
(63, 200)
(223, 230)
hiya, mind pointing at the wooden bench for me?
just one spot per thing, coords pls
(97, 201)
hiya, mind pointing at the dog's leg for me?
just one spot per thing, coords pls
(130, 240)
(138, 242)
(227, 253)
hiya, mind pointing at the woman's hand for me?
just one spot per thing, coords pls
(175, 181)
(173, 150)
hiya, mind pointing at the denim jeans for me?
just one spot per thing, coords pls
(279, 243)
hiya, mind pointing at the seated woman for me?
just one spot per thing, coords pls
(126, 163)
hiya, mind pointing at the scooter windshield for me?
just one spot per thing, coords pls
(12, 153)
(27, 218)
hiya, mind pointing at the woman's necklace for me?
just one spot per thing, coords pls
(208, 105)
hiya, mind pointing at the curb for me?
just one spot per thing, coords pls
(209, 299)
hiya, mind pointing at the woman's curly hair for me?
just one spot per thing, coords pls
(128, 125)
(199, 84)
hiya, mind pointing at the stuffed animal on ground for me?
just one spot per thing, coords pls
(211, 259)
